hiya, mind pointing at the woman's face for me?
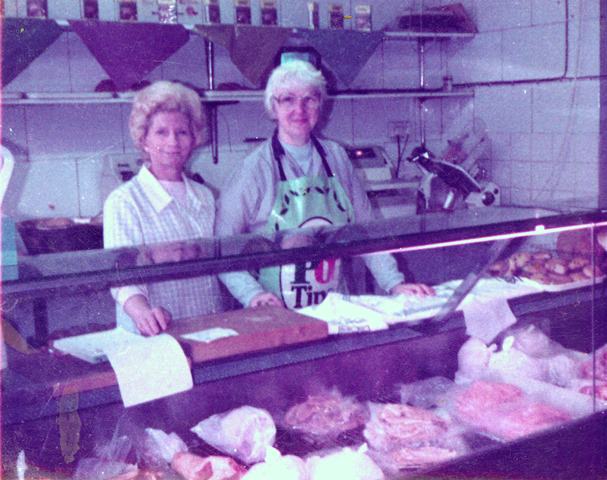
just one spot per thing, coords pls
(168, 142)
(296, 110)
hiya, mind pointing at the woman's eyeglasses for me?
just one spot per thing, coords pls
(289, 102)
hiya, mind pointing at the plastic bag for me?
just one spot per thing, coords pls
(244, 432)
(503, 410)
(473, 359)
(278, 467)
(194, 467)
(326, 414)
(395, 424)
(110, 461)
(427, 393)
(160, 448)
(345, 463)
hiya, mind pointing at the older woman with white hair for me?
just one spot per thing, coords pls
(292, 181)
(161, 204)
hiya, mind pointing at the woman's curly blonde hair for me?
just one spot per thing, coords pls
(165, 96)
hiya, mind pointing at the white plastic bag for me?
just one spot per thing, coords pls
(244, 432)
(278, 467)
(345, 463)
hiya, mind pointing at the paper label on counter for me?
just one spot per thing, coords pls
(210, 334)
(486, 317)
(152, 368)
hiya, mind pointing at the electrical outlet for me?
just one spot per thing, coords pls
(397, 128)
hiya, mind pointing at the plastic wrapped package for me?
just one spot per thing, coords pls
(110, 461)
(160, 447)
(345, 463)
(504, 411)
(600, 365)
(395, 424)
(473, 360)
(405, 437)
(244, 433)
(194, 467)
(278, 467)
(427, 393)
(326, 414)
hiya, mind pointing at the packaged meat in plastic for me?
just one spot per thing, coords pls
(194, 467)
(244, 432)
(600, 364)
(345, 463)
(396, 424)
(278, 467)
(472, 360)
(160, 446)
(411, 457)
(326, 414)
(504, 411)
(426, 393)
(534, 342)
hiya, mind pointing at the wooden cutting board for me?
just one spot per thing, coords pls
(258, 329)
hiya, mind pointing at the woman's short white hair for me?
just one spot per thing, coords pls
(294, 73)
(165, 96)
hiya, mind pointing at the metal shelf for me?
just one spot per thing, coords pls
(426, 35)
(209, 96)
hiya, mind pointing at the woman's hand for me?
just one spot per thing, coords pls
(419, 289)
(149, 321)
(265, 299)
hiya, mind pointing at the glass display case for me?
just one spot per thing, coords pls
(500, 374)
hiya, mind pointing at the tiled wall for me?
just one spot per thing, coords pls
(544, 136)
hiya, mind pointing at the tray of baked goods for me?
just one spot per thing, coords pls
(550, 271)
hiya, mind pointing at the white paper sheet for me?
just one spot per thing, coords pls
(152, 368)
(487, 316)
(210, 334)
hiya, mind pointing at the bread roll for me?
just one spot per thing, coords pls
(520, 258)
(558, 278)
(578, 262)
(578, 276)
(541, 255)
(534, 267)
(588, 271)
(557, 265)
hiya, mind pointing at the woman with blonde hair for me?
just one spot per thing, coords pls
(161, 204)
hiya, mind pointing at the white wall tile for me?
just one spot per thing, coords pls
(504, 109)
(501, 173)
(435, 68)
(552, 106)
(92, 129)
(458, 114)
(584, 48)
(477, 59)
(237, 122)
(127, 142)
(547, 11)
(432, 116)
(498, 14)
(520, 149)
(47, 73)
(584, 149)
(554, 176)
(85, 71)
(188, 64)
(48, 189)
(401, 66)
(542, 147)
(506, 196)
(587, 179)
(584, 9)
(370, 118)
(535, 52)
(500, 146)
(13, 128)
(520, 197)
(90, 192)
(337, 123)
(521, 175)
